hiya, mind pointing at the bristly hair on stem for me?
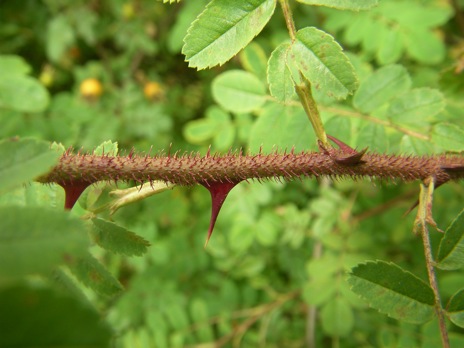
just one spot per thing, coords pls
(220, 173)
(233, 167)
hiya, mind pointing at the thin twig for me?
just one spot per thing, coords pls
(312, 309)
(288, 18)
(424, 217)
(344, 112)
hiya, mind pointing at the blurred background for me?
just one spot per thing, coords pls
(273, 272)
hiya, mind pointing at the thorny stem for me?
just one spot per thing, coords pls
(424, 217)
(192, 169)
(303, 89)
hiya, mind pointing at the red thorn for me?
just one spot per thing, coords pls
(219, 192)
(352, 159)
(72, 192)
(344, 147)
(352, 156)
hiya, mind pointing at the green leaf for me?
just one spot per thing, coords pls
(199, 131)
(13, 65)
(279, 76)
(451, 251)
(23, 93)
(238, 91)
(35, 194)
(322, 61)
(449, 137)
(267, 229)
(412, 145)
(281, 127)
(374, 136)
(24, 160)
(341, 126)
(107, 148)
(50, 319)
(200, 316)
(390, 45)
(37, 240)
(425, 46)
(240, 236)
(319, 291)
(223, 29)
(254, 59)
(94, 275)
(416, 106)
(455, 308)
(187, 14)
(343, 4)
(382, 86)
(337, 317)
(156, 322)
(393, 291)
(224, 137)
(117, 239)
(60, 37)
(177, 315)
(216, 126)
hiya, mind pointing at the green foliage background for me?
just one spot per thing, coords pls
(274, 272)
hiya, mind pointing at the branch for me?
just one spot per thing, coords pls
(192, 169)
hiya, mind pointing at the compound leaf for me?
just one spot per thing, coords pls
(322, 61)
(451, 250)
(393, 291)
(223, 29)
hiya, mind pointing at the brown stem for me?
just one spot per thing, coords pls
(192, 169)
(288, 18)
